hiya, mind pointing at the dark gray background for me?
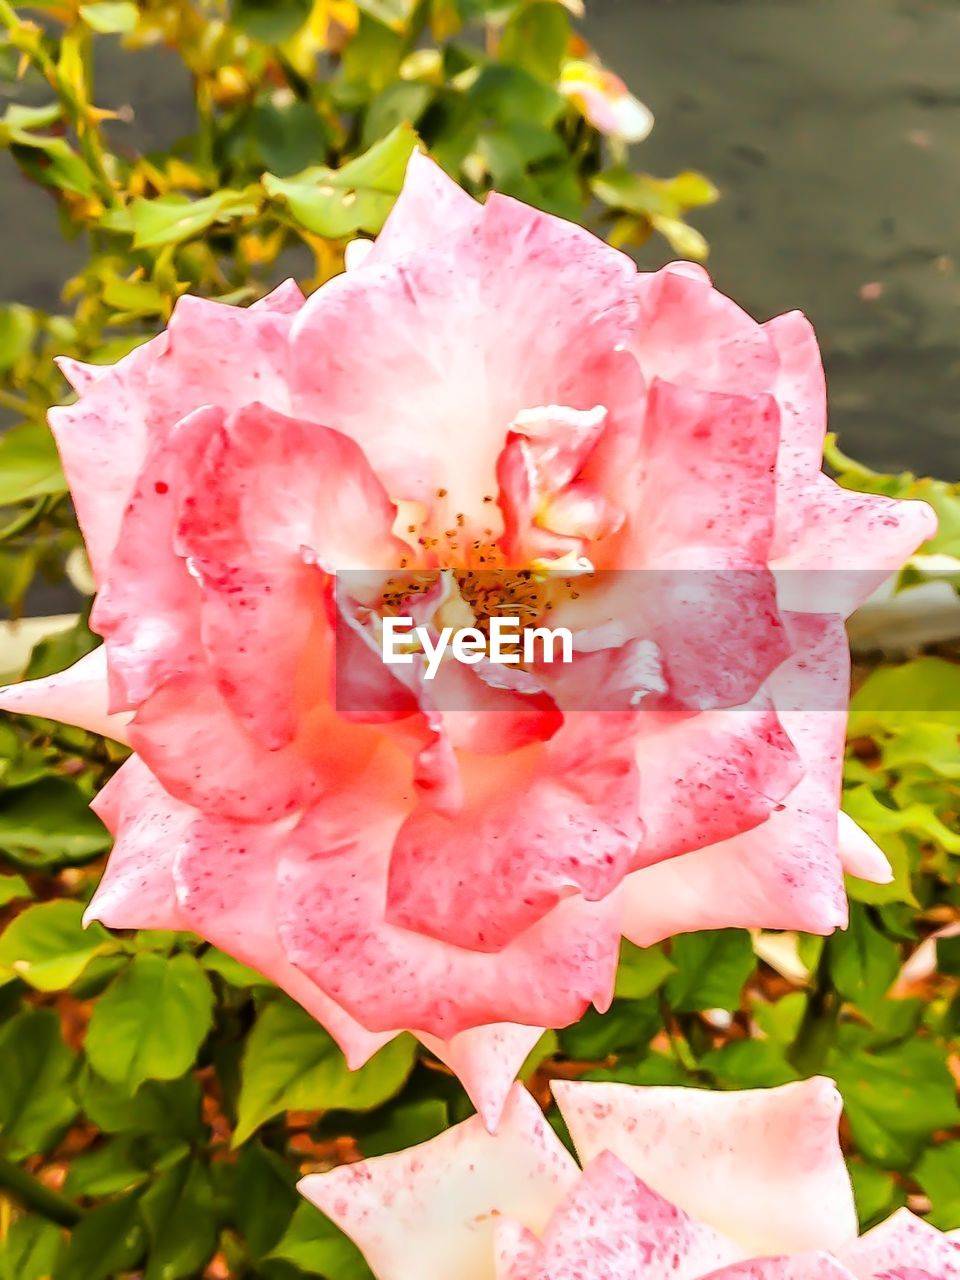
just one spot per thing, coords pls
(832, 128)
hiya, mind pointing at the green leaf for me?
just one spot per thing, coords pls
(232, 971)
(13, 887)
(178, 1212)
(288, 135)
(108, 1169)
(876, 1192)
(29, 464)
(392, 13)
(627, 1027)
(173, 219)
(509, 95)
(939, 1175)
(406, 1125)
(536, 38)
(106, 1242)
(292, 1064)
(642, 970)
(111, 17)
(47, 946)
(357, 197)
(168, 1109)
(896, 1099)
(401, 103)
(151, 1021)
(749, 1064)
(36, 1067)
(17, 329)
(134, 297)
(881, 819)
(49, 823)
(30, 1249)
(265, 1196)
(271, 21)
(315, 1245)
(926, 689)
(863, 961)
(712, 967)
(51, 161)
(650, 197)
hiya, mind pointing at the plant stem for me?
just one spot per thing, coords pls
(809, 1051)
(33, 1195)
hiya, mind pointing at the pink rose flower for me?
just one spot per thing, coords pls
(676, 1184)
(487, 386)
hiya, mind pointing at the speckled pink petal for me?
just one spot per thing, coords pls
(332, 880)
(286, 299)
(702, 592)
(535, 828)
(148, 608)
(515, 1251)
(77, 696)
(691, 334)
(210, 353)
(136, 889)
(103, 441)
(902, 1244)
(718, 451)
(850, 543)
(762, 1166)
(801, 391)
(803, 1266)
(430, 207)
(271, 484)
(612, 1226)
(190, 739)
(430, 1213)
(80, 375)
(486, 1061)
(539, 301)
(707, 777)
(274, 509)
(785, 873)
(225, 879)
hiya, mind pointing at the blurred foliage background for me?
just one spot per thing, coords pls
(158, 1100)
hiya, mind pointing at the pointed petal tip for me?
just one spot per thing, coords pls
(78, 373)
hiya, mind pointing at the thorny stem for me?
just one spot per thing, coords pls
(23, 36)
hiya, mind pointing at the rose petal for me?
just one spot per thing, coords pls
(332, 895)
(785, 873)
(77, 696)
(429, 208)
(612, 1226)
(430, 1213)
(436, 416)
(136, 889)
(486, 1061)
(902, 1244)
(211, 353)
(690, 334)
(225, 878)
(805, 1266)
(190, 739)
(763, 1166)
